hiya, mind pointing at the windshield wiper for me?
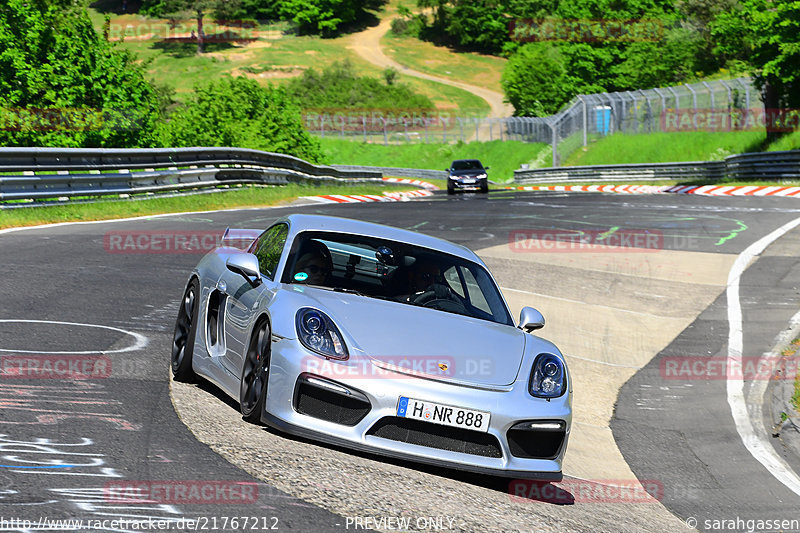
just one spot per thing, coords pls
(334, 289)
(348, 291)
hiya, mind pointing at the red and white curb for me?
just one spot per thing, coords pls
(708, 190)
(423, 184)
(356, 198)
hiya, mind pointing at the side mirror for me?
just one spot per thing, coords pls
(486, 168)
(530, 319)
(246, 265)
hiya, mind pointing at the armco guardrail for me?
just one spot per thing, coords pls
(766, 166)
(39, 173)
(417, 173)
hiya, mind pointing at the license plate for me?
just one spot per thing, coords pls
(468, 180)
(446, 415)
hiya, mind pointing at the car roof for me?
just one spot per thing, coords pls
(467, 161)
(302, 222)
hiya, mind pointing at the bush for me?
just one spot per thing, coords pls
(337, 88)
(239, 112)
(62, 85)
(535, 81)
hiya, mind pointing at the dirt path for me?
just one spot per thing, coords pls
(367, 44)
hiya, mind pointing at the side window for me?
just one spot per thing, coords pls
(474, 291)
(268, 249)
(452, 279)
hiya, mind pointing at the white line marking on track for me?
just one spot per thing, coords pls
(755, 441)
(141, 340)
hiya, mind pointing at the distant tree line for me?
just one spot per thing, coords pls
(322, 17)
(560, 48)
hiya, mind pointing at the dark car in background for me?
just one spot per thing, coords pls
(467, 174)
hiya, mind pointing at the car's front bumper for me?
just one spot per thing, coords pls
(468, 184)
(507, 407)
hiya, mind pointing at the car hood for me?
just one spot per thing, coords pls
(416, 340)
(471, 172)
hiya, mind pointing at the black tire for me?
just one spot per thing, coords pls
(185, 333)
(255, 373)
(450, 190)
(484, 188)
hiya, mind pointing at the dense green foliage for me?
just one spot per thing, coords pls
(766, 35)
(338, 88)
(602, 46)
(62, 85)
(240, 112)
(320, 17)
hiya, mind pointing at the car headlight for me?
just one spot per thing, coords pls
(481, 176)
(548, 377)
(318, 333)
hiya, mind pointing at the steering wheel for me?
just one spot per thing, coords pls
(439, 296)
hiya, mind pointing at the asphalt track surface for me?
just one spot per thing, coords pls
(66, 444)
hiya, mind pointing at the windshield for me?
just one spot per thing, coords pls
(398, 272)
(472, 164)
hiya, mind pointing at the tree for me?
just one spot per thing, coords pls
(62, 85)
(535, 81)
(239, 112)
(766, 35)
(196, 9)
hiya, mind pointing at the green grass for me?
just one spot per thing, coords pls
(475, 69)
(787, 142)
(273, 58)
(665, 147)
(502, 156)
(245, 197)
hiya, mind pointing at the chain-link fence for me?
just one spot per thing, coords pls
(680, 108)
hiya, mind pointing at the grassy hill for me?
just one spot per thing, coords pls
(273, 55)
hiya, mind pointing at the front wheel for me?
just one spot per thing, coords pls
(255, 373)
(185, 333)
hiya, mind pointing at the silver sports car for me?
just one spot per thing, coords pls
(379, 339)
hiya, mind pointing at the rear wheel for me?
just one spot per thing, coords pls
(185, 333)
(255, 372)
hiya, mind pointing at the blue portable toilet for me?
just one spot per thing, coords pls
(603, 119)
